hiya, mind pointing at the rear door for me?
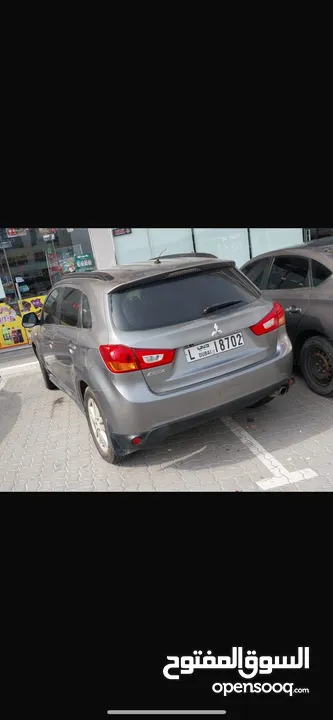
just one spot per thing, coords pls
(204, 315)
(66, 337)
(48, 326)
(289, 284)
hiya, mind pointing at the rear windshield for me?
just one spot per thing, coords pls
(179, 300)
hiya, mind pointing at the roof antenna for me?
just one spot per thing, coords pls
(157, 261)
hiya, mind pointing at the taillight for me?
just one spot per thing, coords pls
(275, 319)
(121, 359)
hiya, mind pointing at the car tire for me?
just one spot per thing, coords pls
(48, 383)
(99, 428)
(316, 362)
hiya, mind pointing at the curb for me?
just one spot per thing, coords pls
(9, 370)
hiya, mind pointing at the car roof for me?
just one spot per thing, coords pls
(135, 272)
(322, 253)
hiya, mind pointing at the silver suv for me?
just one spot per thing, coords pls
(150, 349)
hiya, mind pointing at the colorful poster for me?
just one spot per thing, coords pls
(67, 265)
(84, 262)
(12, 333)
(34, 304)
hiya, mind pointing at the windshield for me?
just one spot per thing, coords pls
(179, 300)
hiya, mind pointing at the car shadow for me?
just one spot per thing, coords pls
(10, 408)
(288, 421)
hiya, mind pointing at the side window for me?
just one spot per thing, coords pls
(289, 273)
(50, 308)
(256, 271)
(86, 314)
(70, 307)
(320, 273)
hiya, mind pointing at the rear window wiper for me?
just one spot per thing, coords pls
(219, 306)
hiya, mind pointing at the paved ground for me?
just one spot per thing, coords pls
(286, 446)
(23, 353)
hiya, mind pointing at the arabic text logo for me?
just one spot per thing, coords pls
(247, 666)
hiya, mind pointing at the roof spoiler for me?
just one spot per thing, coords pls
(94, 274)
(181, 255)
(175, 272)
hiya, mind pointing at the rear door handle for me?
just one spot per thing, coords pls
(293, 309)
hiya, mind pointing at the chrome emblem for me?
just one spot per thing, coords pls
(217, 331)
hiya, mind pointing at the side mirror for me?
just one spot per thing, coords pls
(29, 320)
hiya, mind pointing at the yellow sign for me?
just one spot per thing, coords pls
(11, 330)
(12, 333)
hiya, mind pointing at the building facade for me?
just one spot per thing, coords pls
(33, 259)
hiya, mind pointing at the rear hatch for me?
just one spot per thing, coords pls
(202, 313)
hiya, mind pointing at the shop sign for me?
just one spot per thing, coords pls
(47, 233)
(84, 262)
(121, 231)
(16, 232)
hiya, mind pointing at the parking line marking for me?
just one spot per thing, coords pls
(2, 382)
(181, 459)
(281, 476)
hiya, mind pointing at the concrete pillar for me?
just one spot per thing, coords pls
(102, 247)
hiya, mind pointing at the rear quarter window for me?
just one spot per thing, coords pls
(320, 273)
(179, 300)
(256, 271)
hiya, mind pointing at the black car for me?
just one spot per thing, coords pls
(301, 280)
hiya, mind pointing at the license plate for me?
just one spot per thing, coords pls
(214, 347)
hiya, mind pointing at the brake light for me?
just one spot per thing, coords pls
(275, 319)
(121, 359)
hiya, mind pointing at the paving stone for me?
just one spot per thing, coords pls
(296, 429)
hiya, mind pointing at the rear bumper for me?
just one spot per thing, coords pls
(123, 443)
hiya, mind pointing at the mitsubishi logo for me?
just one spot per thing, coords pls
(217, 330)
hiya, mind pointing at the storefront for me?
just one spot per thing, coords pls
(31, 261)
(239, 244)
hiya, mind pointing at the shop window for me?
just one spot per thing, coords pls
(133, 247)
(289, 273)
(70, 307)
(38, 257)
(145, 243)
(226, 243)
(50, 309)
(170, 241)
(267, 239)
